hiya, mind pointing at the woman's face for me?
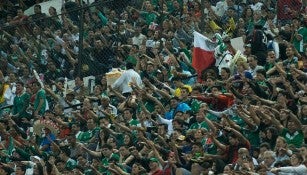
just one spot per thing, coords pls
(271, 57)
(165, 7)
(224, 74)
(111, 142)
(241, 22)
(95, 163)
(175, 135)
(210, 82)
(294, 160)
(198, 134)
(103, 80)
(280, 143)
(127, 139)
(241, 68)
(227, 169)
(97, 90)
(283, 115)
(135, 169)
(203, 108)
(269, 134)
(51, 11)
(246, 89)
(304, 110)
(303, 152)
(126, 16)
(249, 12)
(196, 6)
(165, 24)
(86, 104)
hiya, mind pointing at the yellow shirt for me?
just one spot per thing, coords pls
(6, 86)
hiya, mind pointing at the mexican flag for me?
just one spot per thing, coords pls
(203, 53)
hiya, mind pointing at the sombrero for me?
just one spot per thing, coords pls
(40, 124)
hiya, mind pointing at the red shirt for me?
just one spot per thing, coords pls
(63, 133)
(158, 172)
(232, 151)
(285, 8)
(219, 103)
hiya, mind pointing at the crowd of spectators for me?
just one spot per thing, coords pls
(159, 117)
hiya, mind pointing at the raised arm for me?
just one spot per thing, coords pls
(210, 124)
(217, 143)
(238, 134)
(298, 71)
(280, 69)
(122, 127)
(117, 94)
(92, 153)
(300, 84)
(156, 153)
(265, 101)
(254, 116)
(156, 101)
(289, 88)
(294, 119)
(245, 117)
(231, 123)
(276, 123)
(116, 169)
(155, 89)
(59, 121)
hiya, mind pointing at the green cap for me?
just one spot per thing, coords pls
(153, 159)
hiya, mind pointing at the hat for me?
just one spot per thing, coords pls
(181, 137)
(41, 124)
(33, 158)
(70, 92)
(248, 75)
(231, 8)
(153, 159)
(271, 10)
(225, 37)
(188, 87)
(150, 43)
(150, 62)
(247, 45)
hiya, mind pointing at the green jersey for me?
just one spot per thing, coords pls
(296, 138)
(21, 102)
(299, 44)
(40, 95)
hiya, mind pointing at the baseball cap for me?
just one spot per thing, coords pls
(247, 45)
(153, 159)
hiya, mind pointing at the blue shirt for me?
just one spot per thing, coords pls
(183, 107)
(46, 141)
